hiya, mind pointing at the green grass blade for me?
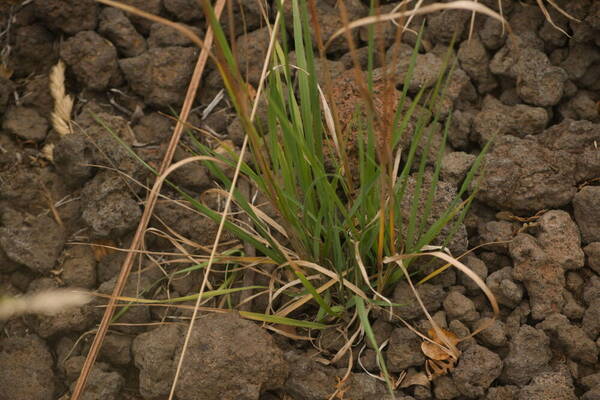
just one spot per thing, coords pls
(275, 319)
(313, 292)
(366, 325)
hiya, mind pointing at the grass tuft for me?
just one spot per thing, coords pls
(338, 175)
(349, 186)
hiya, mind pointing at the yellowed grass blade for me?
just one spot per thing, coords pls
(365, 275)
(463, 268)
(450, 347)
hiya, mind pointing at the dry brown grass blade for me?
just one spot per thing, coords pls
(410, 18)
(260, 214)
(334, 278)
(304, 299)
(365, 275)
(284, 332)
(446, 345)
(455, 5)
(277, 329)
(472, 23)
(349, 343)
(464, 269)
(448, 265)
(439, 343)
(102, 248)
(152, 196)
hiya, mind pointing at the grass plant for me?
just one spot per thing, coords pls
(346, 226)
(332, 215)
(342, 235)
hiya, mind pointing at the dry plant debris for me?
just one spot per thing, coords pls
(527, 222)
(63, 103)
(63, 106)
(440, 360)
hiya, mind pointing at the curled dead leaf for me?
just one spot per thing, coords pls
(435, 368)
(449, 337)
(434, 351)
(414, 378)
(441, 359)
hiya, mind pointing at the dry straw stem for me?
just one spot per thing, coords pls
(455, 5)
(136, 11)
(154, 193)
(398, 259)
(63, 103)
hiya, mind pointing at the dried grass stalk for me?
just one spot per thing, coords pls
(63, 103)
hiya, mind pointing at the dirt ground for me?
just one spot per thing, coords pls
(537, 92)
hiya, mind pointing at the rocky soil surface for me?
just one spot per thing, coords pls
(536, 92)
